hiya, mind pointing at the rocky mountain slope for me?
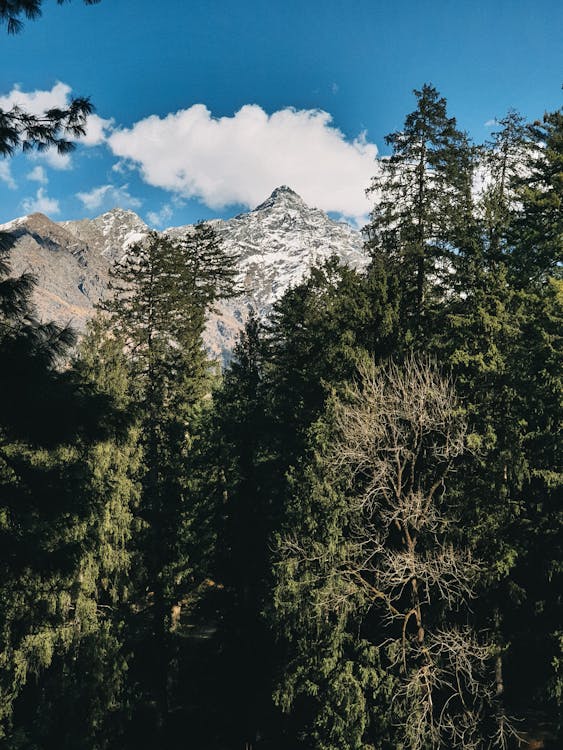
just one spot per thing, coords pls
(276, 244)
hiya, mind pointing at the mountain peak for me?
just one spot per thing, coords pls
(35, 223)
(282, 195)
(122, 225)
(283, 191)
(119, 215)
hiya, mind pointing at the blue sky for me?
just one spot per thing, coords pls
(204, 106)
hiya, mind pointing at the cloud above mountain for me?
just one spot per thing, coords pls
(107, 197)
(42, 203)
(241, 159)
(191, 154)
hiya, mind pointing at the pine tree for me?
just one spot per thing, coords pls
(498, 333)
(313, 338)
(423, 195)
(64, 509)
(537, 229)
(333, 685)
(501, 160)
(239, 681)
(277, 385)
(162, 292)
(536, 242)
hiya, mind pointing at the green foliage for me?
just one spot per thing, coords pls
(423, 197)
(20, 129)
(537, 230)
(501, 158)
(66, 500)
(367, 567)
(500, 334)
(333, 679)
(163, 290)
(494, 320)
(176, 550)
(277, 385)
(314, 336)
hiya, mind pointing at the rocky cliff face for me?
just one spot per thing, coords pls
(276, 243)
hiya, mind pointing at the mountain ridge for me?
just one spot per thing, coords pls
(276, 244)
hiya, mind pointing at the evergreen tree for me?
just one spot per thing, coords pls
(277, 385)
(536, 241)
(423, 197)
(501, 160)
(163, 290)
(52, 129)
(371, 574)
(64, 509)
(537, 228)
(497, 332)
(313, 338)
(240, 446)
(333, 684)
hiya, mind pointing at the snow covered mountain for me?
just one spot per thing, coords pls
(276, 243)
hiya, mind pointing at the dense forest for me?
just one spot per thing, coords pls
(350, 538)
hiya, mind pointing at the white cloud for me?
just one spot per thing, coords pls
(37, 102)
(97, 130)
(108, 196)
(6, 175)
(160, 218)
(52, 158)
(41, 203)
(241, 159)
(95, 197)
(38, 174)
(123, 166)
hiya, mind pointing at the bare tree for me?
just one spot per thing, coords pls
(398, 433)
